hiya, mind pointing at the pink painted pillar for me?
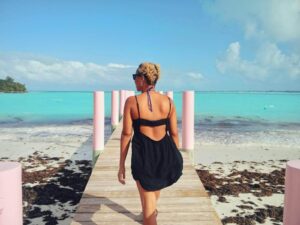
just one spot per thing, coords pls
(114, 109)
(127, 94)
(291, 211)
(170, 94)
(1, 210)
(131, 93)
(11, 208)
(188, 120)
(122, 101)
(98, 137)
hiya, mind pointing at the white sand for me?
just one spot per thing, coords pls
(239, 157)
(53, 140)
(256, 152)
(73, 142)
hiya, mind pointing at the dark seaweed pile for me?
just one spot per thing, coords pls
(57, 185)
(258, 184)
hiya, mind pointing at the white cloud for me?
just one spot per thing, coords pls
(119, 66)
(269, 60)
(196, 76)
(46, 73)
(268, 24)
(45, 69)
(274, 20)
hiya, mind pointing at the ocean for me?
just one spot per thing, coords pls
(220, 117)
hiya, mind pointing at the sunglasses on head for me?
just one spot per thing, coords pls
(136, 74)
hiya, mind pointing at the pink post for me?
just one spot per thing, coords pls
(131, 93)
(11, 208)
(114, 109)
(98, 138)
(122, 101)
(170, 94)
(1, 209)
(188, 120)
(127, 93)
(291, 211)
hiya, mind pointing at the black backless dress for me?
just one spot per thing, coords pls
(156, 164)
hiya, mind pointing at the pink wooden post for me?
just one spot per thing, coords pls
(291, 211)
(170, 94)
(114, 109)
(98, 137)
(131, 93)
(127, 93)
(122, 101)
(188, 122)
(1, 209)
(11, 208)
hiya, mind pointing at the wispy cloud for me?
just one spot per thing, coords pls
(269, 60)
(274, 20)
(120, 66)
(268, 25)
(57, 74)
(196, 76)
(45, 69)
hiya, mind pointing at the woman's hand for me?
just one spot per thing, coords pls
(121, 174)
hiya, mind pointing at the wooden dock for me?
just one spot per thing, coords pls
(108, 202)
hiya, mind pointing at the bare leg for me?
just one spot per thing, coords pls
(157, 194)
(140, 191)
(148, 199)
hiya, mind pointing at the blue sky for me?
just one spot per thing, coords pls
(200, 45)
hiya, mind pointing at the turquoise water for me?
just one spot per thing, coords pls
(64, 107)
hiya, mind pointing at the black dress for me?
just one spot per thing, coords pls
(156, 164)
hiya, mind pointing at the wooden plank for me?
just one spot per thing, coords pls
(134, 193)
(172, 200)
(129, 216)
(106, 201)
(182, 222)
(135, 207)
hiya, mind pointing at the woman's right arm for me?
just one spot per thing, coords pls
(173, 124)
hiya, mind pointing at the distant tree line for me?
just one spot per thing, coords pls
(9, 85)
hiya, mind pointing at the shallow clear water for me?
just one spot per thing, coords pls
(223, 117)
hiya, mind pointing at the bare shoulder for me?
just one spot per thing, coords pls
(170, 100)
(130, 100)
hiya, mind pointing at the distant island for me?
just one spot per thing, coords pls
(9, 85)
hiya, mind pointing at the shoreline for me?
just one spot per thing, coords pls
(56, 164)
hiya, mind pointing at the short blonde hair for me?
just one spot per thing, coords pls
(151, 72)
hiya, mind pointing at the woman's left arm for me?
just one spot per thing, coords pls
(126, 131)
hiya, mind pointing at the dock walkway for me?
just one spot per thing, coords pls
(106, 201)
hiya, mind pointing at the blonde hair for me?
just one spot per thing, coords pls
(151, 72)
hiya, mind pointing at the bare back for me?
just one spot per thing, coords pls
(161, 109)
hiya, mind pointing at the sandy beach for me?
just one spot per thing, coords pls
(246, 182)
(56, 163)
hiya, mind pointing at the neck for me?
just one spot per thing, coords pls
(150, 88)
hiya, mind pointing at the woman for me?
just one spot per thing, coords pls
(154, 163)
